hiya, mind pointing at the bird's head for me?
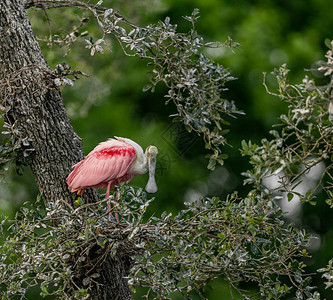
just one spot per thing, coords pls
(151, 153)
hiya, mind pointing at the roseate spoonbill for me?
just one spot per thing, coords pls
(111, 163)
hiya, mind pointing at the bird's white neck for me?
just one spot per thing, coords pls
(144, 162)
(140, 164)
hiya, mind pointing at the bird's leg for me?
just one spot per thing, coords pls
(116, 214)
(108, 196)
(109, 205)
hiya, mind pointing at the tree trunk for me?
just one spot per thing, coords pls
(34, 108)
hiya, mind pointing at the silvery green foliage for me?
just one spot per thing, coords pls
(303, 141)
(49, 248)
(327, 66)
(242, 239)
(196, 84)
(304, 138)
(328, 274)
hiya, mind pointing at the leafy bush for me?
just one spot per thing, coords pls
(244, 240)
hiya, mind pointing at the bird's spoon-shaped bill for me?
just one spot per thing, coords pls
(151, 186)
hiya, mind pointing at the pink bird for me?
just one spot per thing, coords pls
(111, 163)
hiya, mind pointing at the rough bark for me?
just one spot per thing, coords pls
(34, 108)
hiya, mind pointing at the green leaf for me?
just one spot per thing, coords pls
(245, 146)
(290, 196)
(44, 290)
(147, 87)
(211, 164)
(298, 277)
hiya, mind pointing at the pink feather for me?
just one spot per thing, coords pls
(109, 162)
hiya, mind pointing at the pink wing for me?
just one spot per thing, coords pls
(108, 162)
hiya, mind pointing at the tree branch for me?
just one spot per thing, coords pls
(49, 4)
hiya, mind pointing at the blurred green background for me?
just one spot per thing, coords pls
(111, 102)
